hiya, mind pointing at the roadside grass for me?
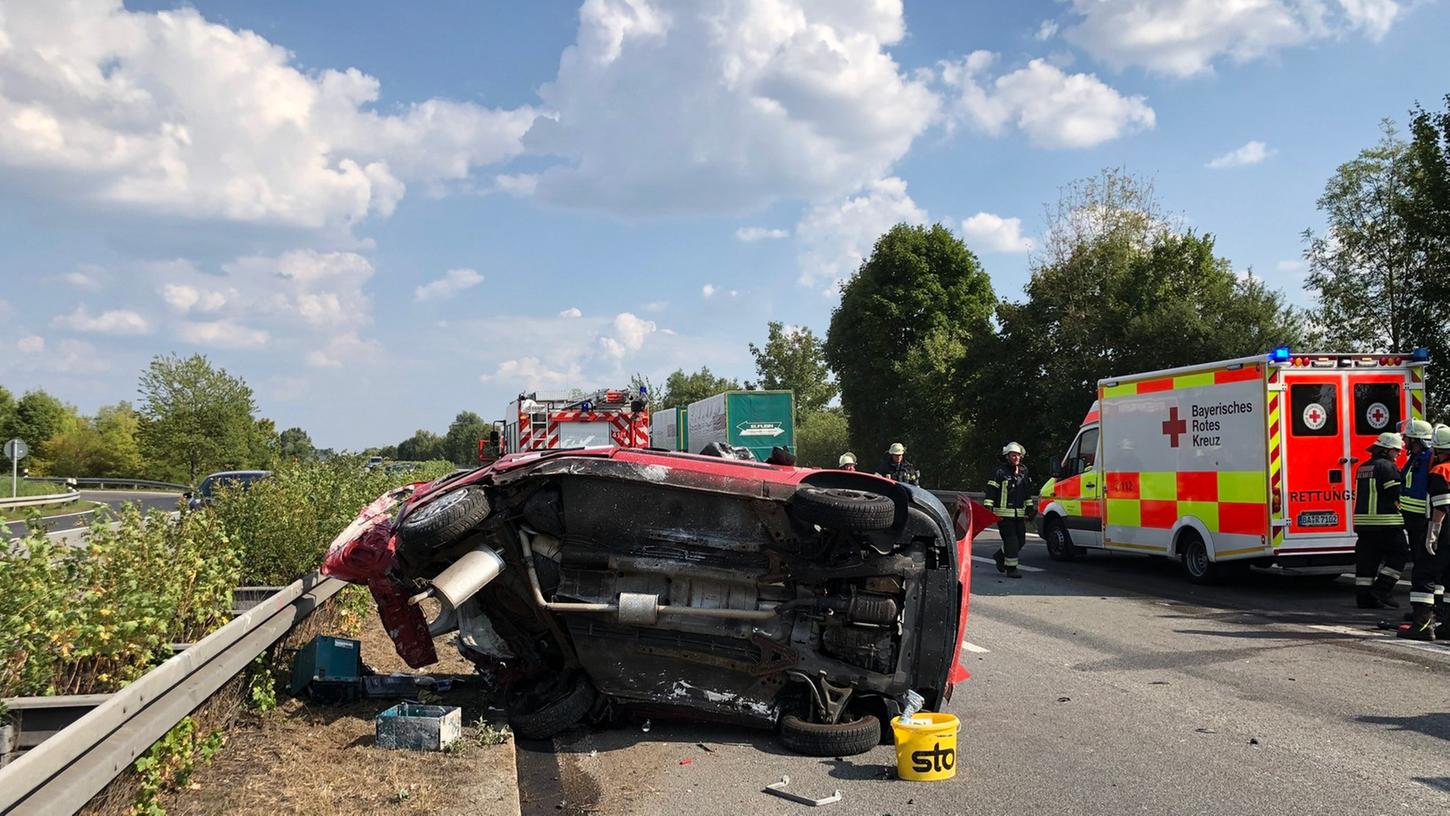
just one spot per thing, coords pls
(25, 487)
(24, 513)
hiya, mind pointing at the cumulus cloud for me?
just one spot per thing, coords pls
(530, 371)
(708, 290)
(1250, 153)
(119, 322)
(30, 344)
(629, 334)
(571, 312)
(173, 114)
(341, 348)
(184, 298)
(224, 334)
(752, 234)
(87, 278)
(1186, 37)
(1054, 108)
(994, 233)
(716, 105)
(455, 281)
(836, 236)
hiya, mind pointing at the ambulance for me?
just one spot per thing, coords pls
(1227, 465)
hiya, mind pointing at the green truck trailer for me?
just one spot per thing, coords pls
(758, 420)
(667, 429)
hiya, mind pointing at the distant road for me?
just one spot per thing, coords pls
(145, 499)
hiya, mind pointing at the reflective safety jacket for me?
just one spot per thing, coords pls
(1008, 494)
(904, 472)
(1415, 476)
(1377, 495)
(1440, 492)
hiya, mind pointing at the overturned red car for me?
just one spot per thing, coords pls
(596, 581)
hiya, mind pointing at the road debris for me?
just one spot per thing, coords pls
(778, 789)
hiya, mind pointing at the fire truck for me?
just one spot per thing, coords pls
(1229, 464)
(539, 421)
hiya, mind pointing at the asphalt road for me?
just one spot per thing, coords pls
(1104, 686)
(147, 500)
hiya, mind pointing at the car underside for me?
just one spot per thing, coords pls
(597, 582)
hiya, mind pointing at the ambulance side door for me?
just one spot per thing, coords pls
(1082, 476)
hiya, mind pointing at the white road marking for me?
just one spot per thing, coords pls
(1386, 639)
(1023, 567)
(972, 647)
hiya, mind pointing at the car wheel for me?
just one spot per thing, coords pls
(1059, 546)
(539, 710)
(856, 735)
(1193, 553)
(846, 511)
(445, 519)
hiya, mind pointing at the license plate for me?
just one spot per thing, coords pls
(1319, 518)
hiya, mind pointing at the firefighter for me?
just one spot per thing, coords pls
(1009, 495)
(847, 461)
(1429, 607)
(1378, 524)
(896, 466)
(1414, 477)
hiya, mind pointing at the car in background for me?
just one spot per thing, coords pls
(235, 479)
(595, 581)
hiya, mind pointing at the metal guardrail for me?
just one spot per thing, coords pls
(103, 481)
(38, 501)
(61, 774)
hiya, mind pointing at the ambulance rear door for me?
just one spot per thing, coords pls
(1318, 424)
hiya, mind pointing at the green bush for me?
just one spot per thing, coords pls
(281, 525)
(92, 619)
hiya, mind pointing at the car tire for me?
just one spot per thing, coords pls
(445, 519)
(539, 711)
(854, 736)
(842, 509)
(1193, 555)
(1059, 545)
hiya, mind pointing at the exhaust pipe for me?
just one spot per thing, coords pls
(463, 578)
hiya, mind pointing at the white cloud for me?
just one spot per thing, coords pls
(994, 233)
(630, 333)
(752, 234)
(184, 298)
(119, 322)
(1055, 109)
(571, 312)
(455, 281)
(319, 290)
(341, 348)
(222, 334)
(530, 372)
(656, 306)
(173, 114)
(1250, 153)
(87, 278)
(1047, 30)
(708, 290)
(1186, 37)
(836, 236)
(30, 344)
(1296, 265)
(719, 106)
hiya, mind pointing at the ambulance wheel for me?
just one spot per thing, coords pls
(1059, 546)
(1193, 553)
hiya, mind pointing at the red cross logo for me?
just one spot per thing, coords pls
(1379, 415)
(1174, 427)
(1314, 416)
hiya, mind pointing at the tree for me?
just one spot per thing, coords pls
(422, 446)
(7, 420)
(898, 341)
(38, 416)
(103, 446)
(194, 417)
(1122, 288)
(1427, 219)
(821, 437)
(460, 444)
(295, 444)
(681, 389)
(795, 360)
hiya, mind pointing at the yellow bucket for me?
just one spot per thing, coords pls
(926, 748)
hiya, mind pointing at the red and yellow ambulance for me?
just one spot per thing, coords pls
(1229, 464)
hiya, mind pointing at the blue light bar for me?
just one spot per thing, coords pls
(1279, 355)
(1420, 355)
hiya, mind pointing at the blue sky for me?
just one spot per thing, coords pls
(380, 215)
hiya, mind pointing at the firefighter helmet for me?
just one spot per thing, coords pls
(896, 449)
(1389, 441)
(847, 458)
(1440, 439)
(1417, 429)
(1013, 447)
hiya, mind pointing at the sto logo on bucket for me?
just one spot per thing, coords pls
(938, 759)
